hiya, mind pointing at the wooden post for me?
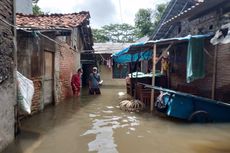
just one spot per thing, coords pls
(153, 78)
(214, 72)
(166, 50)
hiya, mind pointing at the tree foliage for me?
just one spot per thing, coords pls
(159, 12)
(36, 9)
(143, 22)
(115, 33)
(146, 20)
(99, 36)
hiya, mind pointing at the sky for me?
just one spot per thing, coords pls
(102, 12)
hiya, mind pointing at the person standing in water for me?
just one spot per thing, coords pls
(76, 82)
(94, 82)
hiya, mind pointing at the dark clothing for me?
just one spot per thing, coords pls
(97, 91)
(94, 79)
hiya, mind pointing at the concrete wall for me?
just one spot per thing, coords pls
(24, 6)
(7, 73)
(106, 76)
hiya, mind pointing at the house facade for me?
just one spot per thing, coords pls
(49, 53)
(7, 72)
(199, 18)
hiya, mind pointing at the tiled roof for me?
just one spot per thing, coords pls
(52, 21)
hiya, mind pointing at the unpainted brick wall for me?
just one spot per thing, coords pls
(37, 98)
(68, 66)
(223, 73)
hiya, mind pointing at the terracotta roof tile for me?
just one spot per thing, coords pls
(52, 21)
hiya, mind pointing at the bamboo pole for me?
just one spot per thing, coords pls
(153, 78)
(214, 72)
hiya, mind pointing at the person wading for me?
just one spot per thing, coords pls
(76, 82)
(94, 82)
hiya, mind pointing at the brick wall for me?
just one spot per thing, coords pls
(178, 76)
(37, 98)
(7, 72)
(202, 25)
(223, 73)
(68, 62)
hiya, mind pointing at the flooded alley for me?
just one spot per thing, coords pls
(115, 76)
(95, 124)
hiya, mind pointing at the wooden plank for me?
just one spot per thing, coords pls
(49, 70)
(206, 51)
(49, 78)
(214, 72)
(153, 78)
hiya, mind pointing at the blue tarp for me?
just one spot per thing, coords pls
(124, 57)
(179, 38)
(127, 49)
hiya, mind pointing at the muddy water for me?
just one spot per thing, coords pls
(95, 124)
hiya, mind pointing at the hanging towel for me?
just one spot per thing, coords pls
(195, 59)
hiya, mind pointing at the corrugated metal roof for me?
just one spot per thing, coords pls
(195, 9)
(173, 8)
(109, 48)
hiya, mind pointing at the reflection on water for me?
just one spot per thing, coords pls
(95, 124)
(103, 129)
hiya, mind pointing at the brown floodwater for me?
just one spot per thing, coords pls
(95, 124)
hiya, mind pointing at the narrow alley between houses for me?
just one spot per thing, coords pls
(95, 124)
(114, 76)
